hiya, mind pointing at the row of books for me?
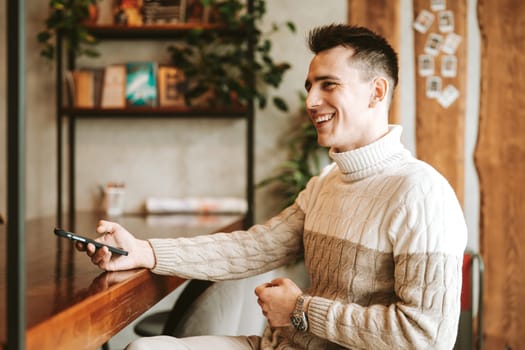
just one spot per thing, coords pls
(146, 12)
(126, 85)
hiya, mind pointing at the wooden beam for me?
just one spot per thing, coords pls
(499, 157)
(440, 130)
(382, 16)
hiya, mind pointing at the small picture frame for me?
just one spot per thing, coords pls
(446, 21)
(438, 5)
(449, 66)
(451, 43)
(448, 96)
(423, 21)
(433, 44)
(433, 88)
(426, 65)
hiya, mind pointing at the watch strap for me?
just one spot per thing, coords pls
(298, 317)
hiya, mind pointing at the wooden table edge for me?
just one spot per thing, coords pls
(89, 329)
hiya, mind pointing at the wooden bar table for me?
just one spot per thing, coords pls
(71, 304)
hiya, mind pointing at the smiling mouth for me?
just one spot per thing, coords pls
(323, 118)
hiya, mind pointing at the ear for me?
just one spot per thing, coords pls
(379, 91)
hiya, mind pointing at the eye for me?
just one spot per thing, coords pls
(307, 86)
(328, 85)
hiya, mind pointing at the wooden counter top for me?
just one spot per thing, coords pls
(71, 304)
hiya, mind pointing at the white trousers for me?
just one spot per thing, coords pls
(205, 342)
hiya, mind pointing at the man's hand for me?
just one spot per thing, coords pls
(277, 300)
(140, 253)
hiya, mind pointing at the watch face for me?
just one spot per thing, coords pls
(299, 322)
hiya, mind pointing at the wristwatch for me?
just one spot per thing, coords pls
(298, 316)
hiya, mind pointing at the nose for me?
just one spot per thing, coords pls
(313, 99)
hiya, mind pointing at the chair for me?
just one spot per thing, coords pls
(165, 322)
(470, 332)
(225, 307)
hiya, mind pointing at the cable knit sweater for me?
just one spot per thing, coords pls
(382, 235)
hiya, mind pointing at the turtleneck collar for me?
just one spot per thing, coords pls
(372, 158)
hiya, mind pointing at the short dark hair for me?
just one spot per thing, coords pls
(372, 51)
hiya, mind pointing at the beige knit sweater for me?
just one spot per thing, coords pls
(382, 236)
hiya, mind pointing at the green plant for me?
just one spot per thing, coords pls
(306, 158)
(222, 65)
(69, 18)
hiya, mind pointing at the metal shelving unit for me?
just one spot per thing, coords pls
(172, 32)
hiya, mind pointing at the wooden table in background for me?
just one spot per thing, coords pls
(70, 303)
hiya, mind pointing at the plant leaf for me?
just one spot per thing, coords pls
(280, 104)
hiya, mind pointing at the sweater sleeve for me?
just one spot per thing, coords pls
(428, 236)
(235, 255)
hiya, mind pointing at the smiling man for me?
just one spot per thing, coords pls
(350, 87)
(382, 233)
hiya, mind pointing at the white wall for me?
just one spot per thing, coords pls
(177, 157)
(472, 196)
(272, 126)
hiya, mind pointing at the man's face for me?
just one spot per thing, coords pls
(338, 100)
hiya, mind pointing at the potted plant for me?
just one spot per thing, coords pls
(69, 17)
(223, 65)
(216, 65)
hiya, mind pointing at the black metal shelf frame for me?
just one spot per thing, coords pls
(72, 114)
(16, 175)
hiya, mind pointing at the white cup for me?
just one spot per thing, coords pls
(114, 200)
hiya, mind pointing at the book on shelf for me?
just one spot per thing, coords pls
(164, 11)
(141, 84)
(195, 11)
(171, 86)
(84, 87)
(114, 87)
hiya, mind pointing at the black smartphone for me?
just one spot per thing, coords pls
(85, 240)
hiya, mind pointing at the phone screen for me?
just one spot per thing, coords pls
(74, 237)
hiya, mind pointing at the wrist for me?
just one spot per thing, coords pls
(299, 317)
(147, 255)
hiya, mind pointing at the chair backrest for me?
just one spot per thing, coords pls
(471, 336)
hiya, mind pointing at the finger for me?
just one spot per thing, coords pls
(105, 227)
(80, 246)
(101, 257)
(280, 281)
(90, 249)
(277, 281)
(261, 287)
(264, 309)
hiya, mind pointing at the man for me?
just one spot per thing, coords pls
(382, 233)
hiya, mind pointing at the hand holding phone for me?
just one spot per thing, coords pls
(85, 240)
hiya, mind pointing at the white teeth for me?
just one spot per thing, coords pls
(323, 118)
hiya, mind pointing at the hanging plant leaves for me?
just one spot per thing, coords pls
(225, 63)
(68, 18)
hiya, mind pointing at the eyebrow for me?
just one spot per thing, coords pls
(308, 84)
